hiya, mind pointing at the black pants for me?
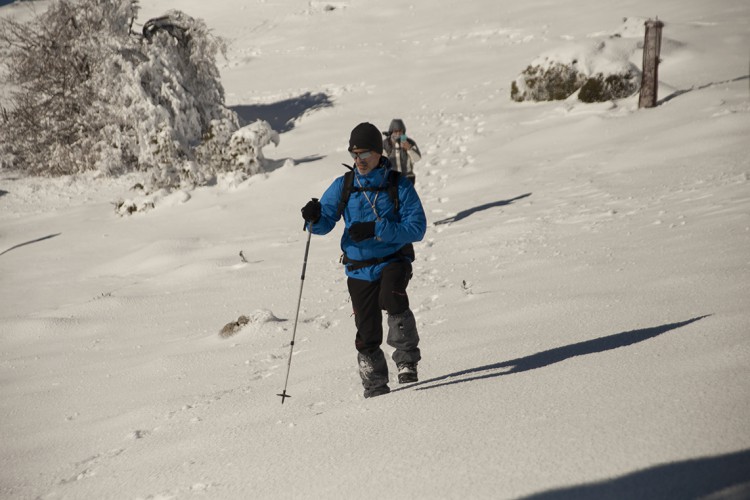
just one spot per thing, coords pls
(369, 298)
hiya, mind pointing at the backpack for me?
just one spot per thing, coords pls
(348, 187)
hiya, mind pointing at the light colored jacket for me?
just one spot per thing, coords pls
(403, 160)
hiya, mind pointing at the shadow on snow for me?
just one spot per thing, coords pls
(678, 93)
(465, 213)
(29, 243)
(282, 115)
(722, 476)
(552, 356)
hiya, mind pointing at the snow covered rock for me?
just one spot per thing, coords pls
(601, 70)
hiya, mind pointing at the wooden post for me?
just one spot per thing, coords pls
(650, 77)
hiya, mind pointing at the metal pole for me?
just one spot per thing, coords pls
(283, 394)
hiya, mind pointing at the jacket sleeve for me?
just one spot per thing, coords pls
(329, 204)
(387, 146)
(412, 224)
(414, 154)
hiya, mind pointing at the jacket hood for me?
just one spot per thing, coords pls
(396, 124)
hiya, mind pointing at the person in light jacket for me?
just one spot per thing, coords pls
(378, 255)
(401, 150)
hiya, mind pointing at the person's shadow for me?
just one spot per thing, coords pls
(552, 356)
(29, 242)
(465, 213)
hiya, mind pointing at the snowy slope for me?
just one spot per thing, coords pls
(582, 291)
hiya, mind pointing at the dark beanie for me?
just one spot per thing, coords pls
(366, 136)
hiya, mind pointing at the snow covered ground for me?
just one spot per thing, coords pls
(582, 293)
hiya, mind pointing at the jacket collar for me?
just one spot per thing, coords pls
(377, 175)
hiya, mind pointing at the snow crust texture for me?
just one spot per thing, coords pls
(581, 294)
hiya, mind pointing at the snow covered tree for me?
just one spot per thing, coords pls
(51, 64)
(90, 94)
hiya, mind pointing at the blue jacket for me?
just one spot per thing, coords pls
(395, 228)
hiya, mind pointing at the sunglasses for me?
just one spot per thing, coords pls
(362, 156)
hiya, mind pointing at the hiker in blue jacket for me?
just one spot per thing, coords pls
(383, 216)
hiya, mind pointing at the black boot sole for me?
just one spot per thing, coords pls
(407, 378)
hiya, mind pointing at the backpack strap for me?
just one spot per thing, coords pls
(346, 191)
(393, 187)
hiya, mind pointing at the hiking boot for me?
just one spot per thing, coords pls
(377, 391)
(407, 373)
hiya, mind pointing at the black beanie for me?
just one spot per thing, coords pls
(366, 136)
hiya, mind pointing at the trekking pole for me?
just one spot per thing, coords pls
(283, 394)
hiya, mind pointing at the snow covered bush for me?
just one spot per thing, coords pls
(547, 81)
(237, 150)
(245, 151)
(601, 88)
(90, 94)
(600, 70)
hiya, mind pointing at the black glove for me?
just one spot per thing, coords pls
(360, 231)
(311, 211)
